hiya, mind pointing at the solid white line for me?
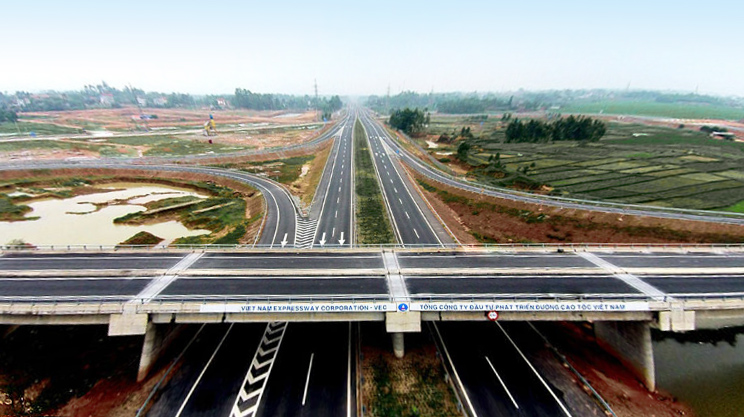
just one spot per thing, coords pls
(193, 387)
(307, 380)
(555, 397)
(502, 383)
(454, 370)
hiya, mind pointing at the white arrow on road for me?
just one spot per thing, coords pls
(342, 240)
(322, 240)
(284, 241)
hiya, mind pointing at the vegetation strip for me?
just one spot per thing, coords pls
(373, 224)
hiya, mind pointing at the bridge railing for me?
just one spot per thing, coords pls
(556, 247)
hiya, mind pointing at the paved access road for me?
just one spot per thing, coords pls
(237, 370)
(333, 207)
(352, 274)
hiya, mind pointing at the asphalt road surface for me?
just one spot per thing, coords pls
(336, 192)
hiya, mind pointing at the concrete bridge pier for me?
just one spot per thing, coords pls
(157, 337)
(397, 324)
(630, 342)
(399, 347)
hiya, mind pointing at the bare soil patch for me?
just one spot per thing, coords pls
(494, 220)
(627, 396)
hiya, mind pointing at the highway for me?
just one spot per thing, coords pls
(413, 221)
(303, 370)
(351, 274)
(627, 209)
(333, 208)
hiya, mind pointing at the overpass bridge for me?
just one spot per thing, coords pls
(675, 288)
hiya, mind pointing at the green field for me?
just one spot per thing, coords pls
(651, 108)
(39, 128)
(633, 163)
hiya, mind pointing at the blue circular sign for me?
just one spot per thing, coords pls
(402, 307)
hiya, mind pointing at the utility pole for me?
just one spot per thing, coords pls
(317, 102)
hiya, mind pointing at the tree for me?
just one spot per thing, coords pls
(8, 116)
(463, 150)
(409, 121)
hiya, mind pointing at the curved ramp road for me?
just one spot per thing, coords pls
(626, 209)
(280, 222)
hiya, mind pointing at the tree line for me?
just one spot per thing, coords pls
(583, 129)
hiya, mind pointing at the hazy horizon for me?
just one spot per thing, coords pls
(360, 50)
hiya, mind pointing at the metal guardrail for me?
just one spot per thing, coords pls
(461, 182)
(566, 247)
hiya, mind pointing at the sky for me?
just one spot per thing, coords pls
(366, 47)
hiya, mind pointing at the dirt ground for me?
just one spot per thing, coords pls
(505, 221)
(619, 387)
(265, 130)
(122, 119)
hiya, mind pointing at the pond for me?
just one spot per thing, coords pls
(78, 221)
(705, 372)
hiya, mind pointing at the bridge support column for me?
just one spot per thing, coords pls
(399, 346)
(157, 339)
(397, 323)
(630, 342)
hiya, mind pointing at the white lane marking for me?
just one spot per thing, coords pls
(391, 180)
(454, 370)
(629, 279)
(502, 383)
(417, 236)
(336, 214)
(409, 217)
(209, 362)
(339, 189)
(401, 201)
(341, 181)
(555, 397)
(307, 380)
(338, 199)
(395, 189)
(333, 232)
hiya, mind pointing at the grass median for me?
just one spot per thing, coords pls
(373, 224)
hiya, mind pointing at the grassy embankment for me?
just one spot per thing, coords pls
(225, 212)
(492, 220)
(373, 224)
(633, 164)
